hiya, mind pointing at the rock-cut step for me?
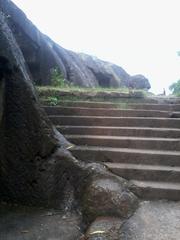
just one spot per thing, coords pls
(160, 107)
(126, 155)
(125, 105)
(126, 142)
(120, 131)
(115, 121)
(145, 172)
(111, 112)
(155, 190)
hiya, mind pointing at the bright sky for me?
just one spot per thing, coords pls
(142, 36)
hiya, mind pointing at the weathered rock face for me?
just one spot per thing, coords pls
(111, 75)
(108, 196)
(107, 74)
(27, 136)
(140, 82)
(35, 166)
(1, 98)
(42, 55)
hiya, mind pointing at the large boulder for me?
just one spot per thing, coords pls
(42, 55)
(111, 75)
(108, 195)
(27, 136)
(107, 74)
(35, 166)
(139, 82)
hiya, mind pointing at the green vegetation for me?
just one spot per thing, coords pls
(55, 95)
(57, 78)
(175, 88)
(71, 88)
(61, 91)
(53, 101)
(59, 83)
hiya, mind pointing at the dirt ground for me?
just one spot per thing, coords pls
(22, 223)
(157, 220)
(154, 220)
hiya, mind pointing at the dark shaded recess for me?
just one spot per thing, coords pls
(24, 141)
(104, 79)
(28, 172)
(4, 68)
(38, 58)
(27, 138)
(30, 49)
(123, 75)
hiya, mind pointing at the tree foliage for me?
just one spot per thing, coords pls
(175, 88)
(57, 78)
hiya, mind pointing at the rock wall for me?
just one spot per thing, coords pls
(42, 55)
(27, 136)
(35, 166)
(112, 75)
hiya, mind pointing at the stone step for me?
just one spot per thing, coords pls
(111, 112)
(145, 172)
(139, 142)
(115, 121)
(126, 142)
(160, 107)
(126, 155)
(91, 104)
(120, 131)
(175, 115)
(155, 190)
(146, 106)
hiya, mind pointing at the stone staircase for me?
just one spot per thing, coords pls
(139, 142)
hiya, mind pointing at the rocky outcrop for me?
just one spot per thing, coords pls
(27, 136)
(111, 75)
(42, 55)
(107, 74)
(107, 195)
(140, 82)
(36, 167)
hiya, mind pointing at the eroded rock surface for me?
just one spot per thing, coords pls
(107, 74)
(42, 55)
(139, 82)
(35, 166)
(108, 196)
(111, 75)
(104, 228)
(27, 136)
